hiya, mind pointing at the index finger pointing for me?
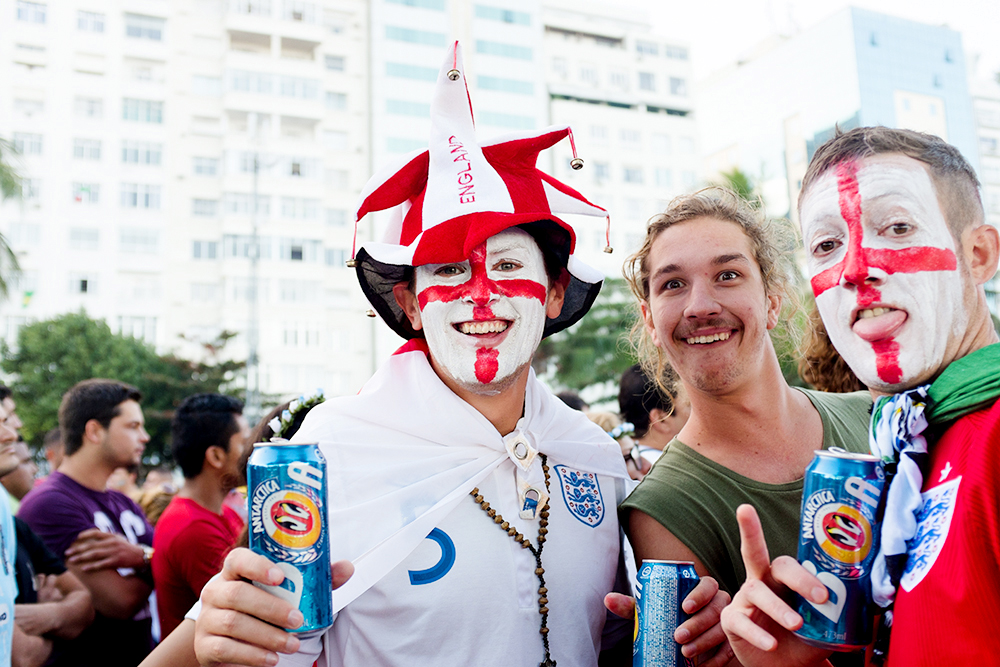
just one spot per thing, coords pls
(753, 547)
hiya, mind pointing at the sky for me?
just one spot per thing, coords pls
(721, 31)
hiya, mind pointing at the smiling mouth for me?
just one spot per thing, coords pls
(482, 328)
(705, 340)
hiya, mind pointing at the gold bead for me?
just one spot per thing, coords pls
(525, 544)
(351, 263)
(511, 531)
(491, 512)
(543, 600)
(454, 74)
(498, 519)
(505, 525)
(544, 631)
(541, 539)
(543, 531)
(576, 163)
(479, 498)
(608, 249)
(518, 537)
(543, 590)
(544, 514)
(543, 610)
(485, 505)
(539, 570)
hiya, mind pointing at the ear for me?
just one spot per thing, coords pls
(982, 251)
(773, 310)
(647, 320)
(93, 431)
(556, 298)
(657, 417)
(215, 456)
(407, 300)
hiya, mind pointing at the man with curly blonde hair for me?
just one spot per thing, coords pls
(711, 280)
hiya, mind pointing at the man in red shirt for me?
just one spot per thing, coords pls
(196, 531)
(898, 253)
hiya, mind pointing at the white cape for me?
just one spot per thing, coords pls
(405, 450)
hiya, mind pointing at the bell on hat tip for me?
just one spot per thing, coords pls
(370, 313)
(351, 263)
(576, 163)
(608, 249)
(454, 74)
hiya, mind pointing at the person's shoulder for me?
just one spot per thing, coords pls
(852, 400)
(56, 489)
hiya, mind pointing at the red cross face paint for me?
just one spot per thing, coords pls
(483, 318)
(883, 265)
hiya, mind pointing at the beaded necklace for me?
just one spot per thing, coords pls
(543, 522)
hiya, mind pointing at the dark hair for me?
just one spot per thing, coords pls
(52, 438)
(202, 421)
(91, 399)
(572, 399)
(638, 395)
(955, 182)
(5, 392)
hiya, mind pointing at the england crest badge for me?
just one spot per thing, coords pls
(582, 494)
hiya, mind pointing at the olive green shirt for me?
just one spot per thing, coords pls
(695, 498)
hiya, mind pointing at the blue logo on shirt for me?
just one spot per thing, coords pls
(442, 567)
(582, 494)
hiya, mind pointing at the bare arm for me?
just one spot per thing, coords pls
(28, 650)
(65, 618)
(176, 649)
(113, 595)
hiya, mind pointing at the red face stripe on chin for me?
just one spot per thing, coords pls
(858, 260)
(480, 288)
(487, 364)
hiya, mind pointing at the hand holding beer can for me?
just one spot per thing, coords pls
(838, 541)
(287, 491)
(662, 587)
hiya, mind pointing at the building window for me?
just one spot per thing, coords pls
(239, 203)
(303, 12)
(204, 249)
(140, 26)
(32, 12)
(139, 152)
(299, 208)
(143, 328)
(252, 7)
(503, 15)
(80, 283)
(336, 217)
(664, 178)
(206, 166)
(406, 71)
(408, 108)
(89, 107)
(647, 81)
(334, 63)
(250, 82)
(602, 172)
(31, 189)
(619, 79)
(86, 193)
(207, 86)
(404, 145)
(83, 238)
(507, 120)
(293, 86)
(140, 195)
(89, 21)
(678, 87)
(873, 39)
(506, 85)
(675, 52)
(205, 292)
(27, 143)
(588, 74)
(629, 138)
(143, 111)
(647, 48)
(336, 257)
(140, 241)
(87, 149)
(336, 101)
(208, 208)
(632, 175)
(29, 107)
(411, 36)
(504, 50)
(599, 133)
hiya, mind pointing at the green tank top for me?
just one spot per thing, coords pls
(695, 498)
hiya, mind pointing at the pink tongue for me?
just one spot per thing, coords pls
(877, 328)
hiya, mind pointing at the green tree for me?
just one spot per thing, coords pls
(53, 355)
(10, 188)
(595, 350)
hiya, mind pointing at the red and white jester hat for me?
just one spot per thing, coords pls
(457, 193)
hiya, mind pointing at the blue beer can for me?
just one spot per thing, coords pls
(287, 491)
(838, 541)
(662, 587)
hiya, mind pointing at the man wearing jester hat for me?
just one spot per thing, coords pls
(478, 510)
(898, 253)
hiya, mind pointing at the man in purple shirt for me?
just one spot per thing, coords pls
(103, 534)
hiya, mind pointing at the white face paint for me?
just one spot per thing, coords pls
(885, 270)
(483, 318)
